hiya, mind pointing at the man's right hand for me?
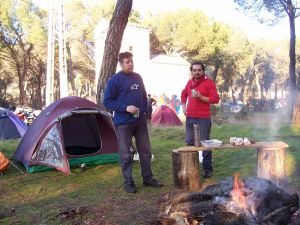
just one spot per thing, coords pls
(131, 109)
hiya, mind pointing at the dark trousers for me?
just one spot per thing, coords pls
(205, 126)
(149, 113)
(139, 131)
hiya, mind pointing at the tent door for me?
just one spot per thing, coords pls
(50, 152)
(81, 134)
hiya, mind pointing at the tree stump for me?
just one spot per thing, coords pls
(186, 170)
(271, 163)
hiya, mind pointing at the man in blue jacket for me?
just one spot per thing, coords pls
(125, 94)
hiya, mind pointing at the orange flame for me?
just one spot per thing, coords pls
(237, 194)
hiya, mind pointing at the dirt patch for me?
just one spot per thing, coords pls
(133, 210)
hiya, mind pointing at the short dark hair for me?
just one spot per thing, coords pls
(197, 63)
(124, 55)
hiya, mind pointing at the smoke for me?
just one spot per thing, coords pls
(271, 121)
(278, 119)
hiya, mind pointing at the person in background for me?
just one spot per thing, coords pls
(196, 97)
(125, 94)
(150, 104)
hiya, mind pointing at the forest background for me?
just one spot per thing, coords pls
(256, 69)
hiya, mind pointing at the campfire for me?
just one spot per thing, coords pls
(254, 201)
(237, 192)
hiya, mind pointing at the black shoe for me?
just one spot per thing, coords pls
(207, 174)
(130, 188)
(153, 183)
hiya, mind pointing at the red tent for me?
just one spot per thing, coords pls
(69, 132)
(165, 116)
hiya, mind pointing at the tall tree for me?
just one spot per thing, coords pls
(113, 44)
(21, 30)
(276, 10)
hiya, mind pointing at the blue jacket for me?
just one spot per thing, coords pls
(123, 90)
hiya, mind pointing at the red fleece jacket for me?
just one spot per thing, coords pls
(195, 107)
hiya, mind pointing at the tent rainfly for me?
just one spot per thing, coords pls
(11, 126)
(68, 133)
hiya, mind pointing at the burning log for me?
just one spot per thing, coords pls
(186, 171)
(255, 201)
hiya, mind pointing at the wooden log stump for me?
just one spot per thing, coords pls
(271, 163)
(186, 170)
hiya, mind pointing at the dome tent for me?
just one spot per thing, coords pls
(11, 127)
(165, 116)
(69, 132)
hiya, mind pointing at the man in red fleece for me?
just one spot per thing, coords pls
(200, 92)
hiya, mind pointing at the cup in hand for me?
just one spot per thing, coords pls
(136, 114)
(194, 93)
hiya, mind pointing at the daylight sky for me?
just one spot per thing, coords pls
(220, 10)
(223, 11)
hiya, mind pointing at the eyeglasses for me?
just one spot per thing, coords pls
(195, 70)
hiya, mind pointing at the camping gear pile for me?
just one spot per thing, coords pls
(4, 161)
(26, 114)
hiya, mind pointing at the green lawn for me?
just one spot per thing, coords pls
(38, 198)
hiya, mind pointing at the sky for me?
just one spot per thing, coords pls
(220, 10)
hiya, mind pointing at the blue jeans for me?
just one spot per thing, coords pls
(205, 126)
(139, 131)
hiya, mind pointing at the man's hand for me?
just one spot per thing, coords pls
(201, 97)
(184, 109)
(132, 109)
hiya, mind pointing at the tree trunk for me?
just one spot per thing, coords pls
(296, 111)
(113, 44)
(259, 93)
(276, 91)
(292, 55)
(39, 101)
(22, 97)
(215, 72)
(70, 69)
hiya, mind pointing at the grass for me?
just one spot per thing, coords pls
(38, 198)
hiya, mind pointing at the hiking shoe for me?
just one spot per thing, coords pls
(153, 183)
(130, 188)
(207, 174)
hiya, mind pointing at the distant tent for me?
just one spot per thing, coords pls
(11, 127)
(165, 116)
(69, 132)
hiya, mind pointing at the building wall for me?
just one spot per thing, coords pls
(168, 79)
(163, 75)
(135, 40)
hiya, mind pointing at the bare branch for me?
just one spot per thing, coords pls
(284, 5)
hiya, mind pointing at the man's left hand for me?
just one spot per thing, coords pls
(201, 97)
(198, 95)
